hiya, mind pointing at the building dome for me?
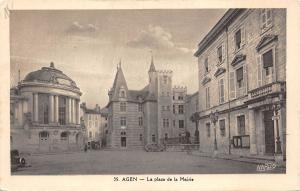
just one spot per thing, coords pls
(50, 75)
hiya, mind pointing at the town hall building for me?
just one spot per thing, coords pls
(137, 118)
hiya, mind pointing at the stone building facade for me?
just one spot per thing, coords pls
(95, 122)
(242, 73)
(149, 116)
(44, 112)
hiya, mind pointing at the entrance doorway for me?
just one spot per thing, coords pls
(123, 141)
(269, 132)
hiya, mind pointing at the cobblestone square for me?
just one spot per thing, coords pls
(133, 162)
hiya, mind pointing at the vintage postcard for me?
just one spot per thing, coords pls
(177, 96)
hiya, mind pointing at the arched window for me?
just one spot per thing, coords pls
(122, 92)
(64, 136)
(44, 135)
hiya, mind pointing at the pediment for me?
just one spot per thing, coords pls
(267, 39)
(237, 59)
(219, 71)
(206, 80)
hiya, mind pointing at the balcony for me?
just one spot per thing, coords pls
(272, 88)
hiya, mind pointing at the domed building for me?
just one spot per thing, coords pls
(45, 113)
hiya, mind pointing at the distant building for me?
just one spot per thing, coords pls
(192, 106)
(44, 112)
(149, 116)
(95, 122)
(242, 87)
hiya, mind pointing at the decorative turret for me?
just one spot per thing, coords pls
(119, 88)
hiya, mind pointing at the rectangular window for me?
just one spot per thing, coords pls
(206, 65)
(220, 53)
(222, 127)
(238, 39)
(207, 98)
(221, 91)
(165, 122)
(165, 79)
(43, 108)
(140, 107)
(123, 106)
(181, 123)
(62, 110)
(266, 18)
(208, 129)
(239, 77)
(174, 109)
(90, 134)
(267, 59)
(180, 109)
(166, 136)
(140, 121)
(241, 124)
(123, 121)
(174, 123)
(153, 138)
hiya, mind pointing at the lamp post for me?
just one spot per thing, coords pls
(276, 108)
(214, 118)
(195, 118)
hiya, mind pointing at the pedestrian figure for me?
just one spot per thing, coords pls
(85, 148)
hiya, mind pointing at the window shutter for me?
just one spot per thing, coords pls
(245, 79)
(232, 85)
(243, 36)
(259, 71)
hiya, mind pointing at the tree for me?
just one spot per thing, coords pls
(195, 118)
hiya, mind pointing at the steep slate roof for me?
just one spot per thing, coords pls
(152, 67)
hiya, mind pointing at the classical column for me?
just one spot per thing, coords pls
(78, 113)
(36, 107)
(20, 112)
(74, 111)
(69, 110)
(253, 148)
(56, 109)
(51, 108)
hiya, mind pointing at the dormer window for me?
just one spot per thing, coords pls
(122, 92)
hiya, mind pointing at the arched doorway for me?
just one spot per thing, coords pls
(44, 141)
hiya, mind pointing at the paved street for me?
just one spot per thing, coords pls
(132, 162)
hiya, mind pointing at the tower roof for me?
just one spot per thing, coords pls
(152, 67)
(119, 79)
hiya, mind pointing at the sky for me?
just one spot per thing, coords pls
(87, 45)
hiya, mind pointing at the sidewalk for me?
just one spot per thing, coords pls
(246, 159)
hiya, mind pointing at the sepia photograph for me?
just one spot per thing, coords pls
(186, 91)
(149, 95)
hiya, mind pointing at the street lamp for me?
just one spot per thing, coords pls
(276, 108)
(214, 118)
